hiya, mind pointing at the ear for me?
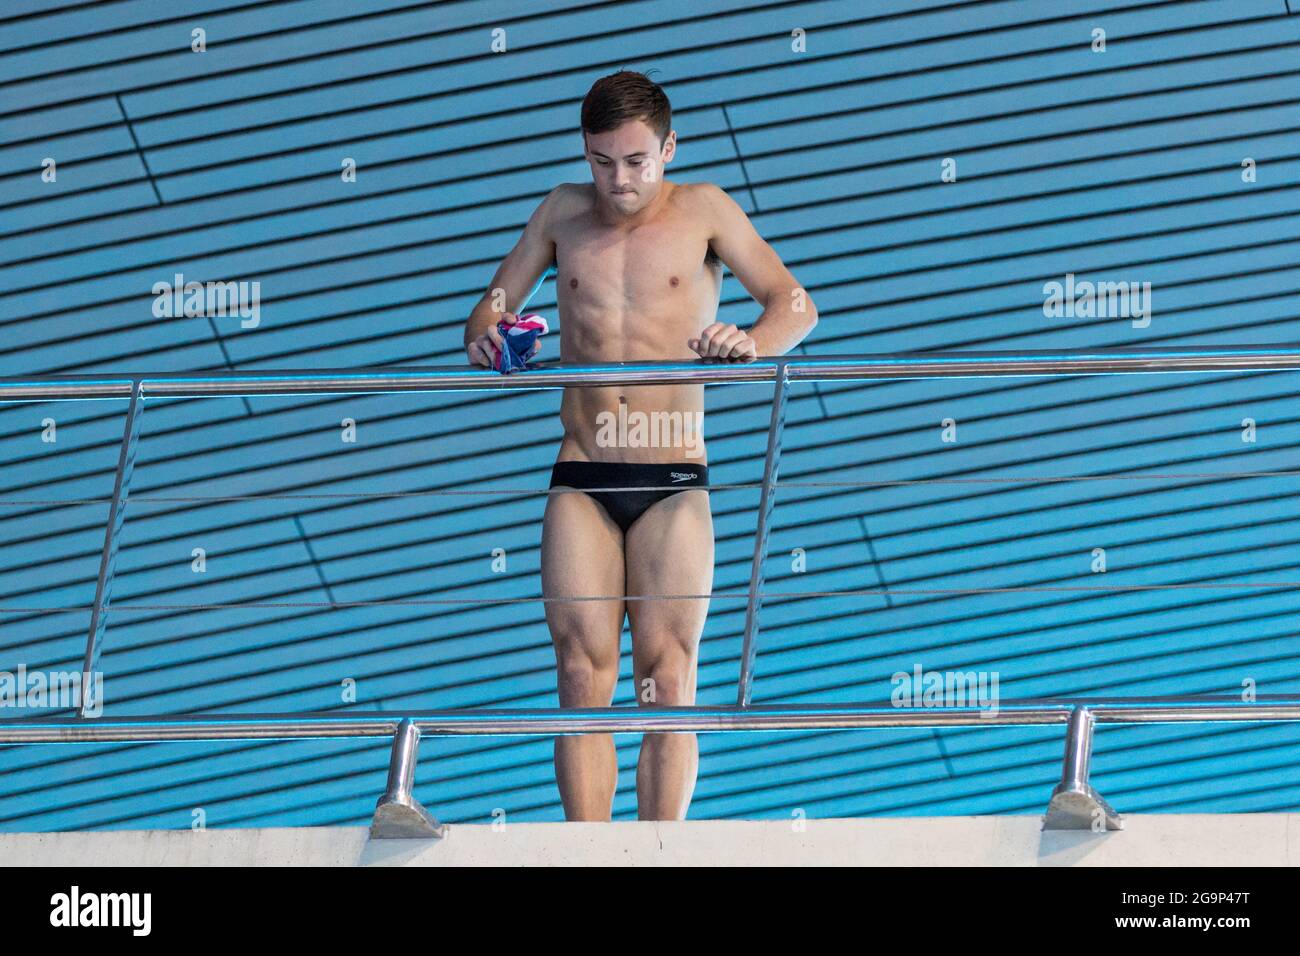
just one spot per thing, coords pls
(670, 146)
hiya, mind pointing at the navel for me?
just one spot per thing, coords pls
(573, 283)
(674, 281)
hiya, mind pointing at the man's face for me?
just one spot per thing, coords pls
(627, 164)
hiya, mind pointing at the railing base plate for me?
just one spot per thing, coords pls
(404, 820)
(1079, 808)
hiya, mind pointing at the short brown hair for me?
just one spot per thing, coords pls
(626, 95)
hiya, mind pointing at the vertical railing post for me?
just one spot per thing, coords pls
(771, 464)
(112, 540)
(1075, 805)
(398, 815)
(1077, 762)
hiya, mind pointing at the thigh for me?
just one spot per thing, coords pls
(582, 556)
(669, 550)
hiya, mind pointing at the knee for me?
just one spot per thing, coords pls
(584, 682)
(668, 681)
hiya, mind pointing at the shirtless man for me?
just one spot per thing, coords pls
(638, 265)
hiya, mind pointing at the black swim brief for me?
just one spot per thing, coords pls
(626, 506)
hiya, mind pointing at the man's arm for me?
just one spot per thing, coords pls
(514, 283)
(788, 311)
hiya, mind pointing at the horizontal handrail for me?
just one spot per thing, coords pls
(551, 721)
(560, 375)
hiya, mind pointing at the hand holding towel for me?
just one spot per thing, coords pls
(519, 338)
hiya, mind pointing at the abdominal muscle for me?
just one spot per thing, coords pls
(596, 429)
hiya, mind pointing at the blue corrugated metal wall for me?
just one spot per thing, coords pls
(1122, 164)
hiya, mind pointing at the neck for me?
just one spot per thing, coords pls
(613, 217)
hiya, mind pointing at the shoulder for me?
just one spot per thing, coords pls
(568, 199)
(707, 195)
(565, 202)
(712, 205)
(703, 198)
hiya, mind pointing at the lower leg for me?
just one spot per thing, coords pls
(586, 770)
(669, 762)
(586, 765)
(665, 775)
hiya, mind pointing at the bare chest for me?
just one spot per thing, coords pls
(612, 268)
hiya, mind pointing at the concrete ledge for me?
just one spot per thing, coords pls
(1263, 839)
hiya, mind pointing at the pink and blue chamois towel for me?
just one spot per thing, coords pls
(519, 339)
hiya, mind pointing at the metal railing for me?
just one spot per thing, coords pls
(1074, 803)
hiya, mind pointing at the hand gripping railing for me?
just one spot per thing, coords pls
(1074, 803)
